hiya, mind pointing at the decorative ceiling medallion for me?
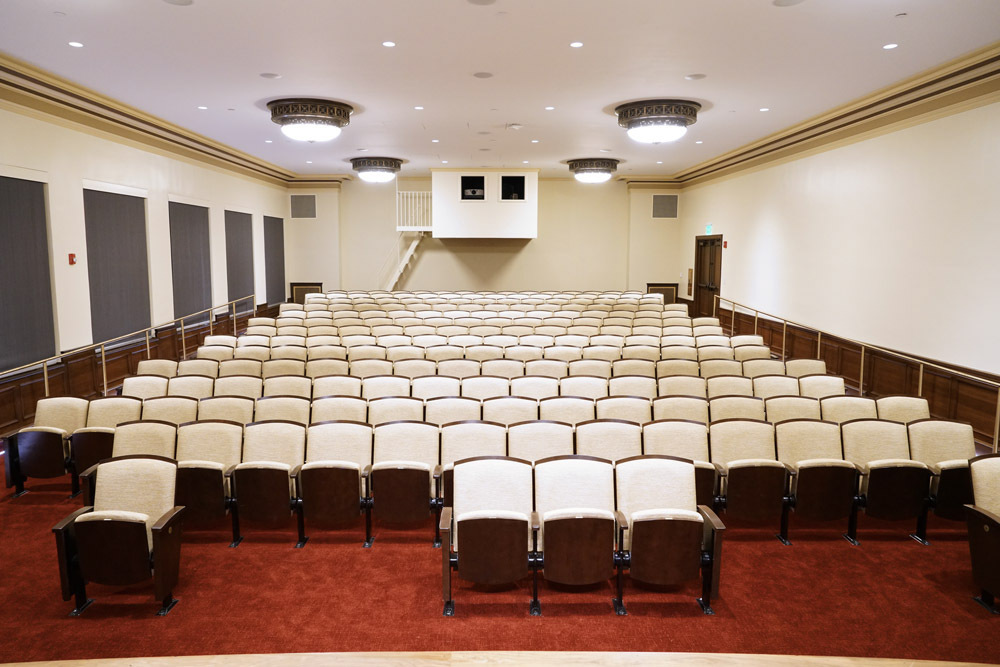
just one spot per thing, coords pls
(657, 121)
(376, 169)
(593, 169)
(308, 119)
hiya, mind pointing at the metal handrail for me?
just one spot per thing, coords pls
(922, 363)
(230, 307)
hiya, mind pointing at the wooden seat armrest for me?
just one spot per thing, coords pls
(438, 471)
(168, 520)
(621, 519)
(67, 522)
(989, 516)
(719, 468)
(91, 471)
(711, 518)
(445, 523)
(229, 471)
(536, 522)
(295, 471)
(366, 471)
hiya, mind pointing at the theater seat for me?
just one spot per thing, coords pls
(42, 450)
(983, 522)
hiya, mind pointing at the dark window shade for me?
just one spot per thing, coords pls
(239, 255)
(189, 259)
(116, 263)
(274, 258)
(27, 330)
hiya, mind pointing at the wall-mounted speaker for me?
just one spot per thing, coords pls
(665, 206)
(303, 206)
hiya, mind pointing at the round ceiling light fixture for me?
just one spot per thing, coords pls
(593, 169)
(376, 169)
(657, 121)
(307, 119)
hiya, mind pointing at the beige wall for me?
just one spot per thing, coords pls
(65, 156)
(367, 232)
(653, 251)
(312, 246)
(892, 240)
(582, 244)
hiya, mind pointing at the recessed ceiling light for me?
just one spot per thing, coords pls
(785, 3)
(481, 2)
(695, 77)
(605, 150)
(699, 142)
(483, 75)
(203, 108)
(270, 75)
(524, 162)
(483, 132)
(534, 141)
(418, 108)
(389, 45)
(484, 149)
(889, 47)
(309, 161)
(76, 45)
(268, 141)
(362, 150)
(231, 109)
(549, 108)
(659, 162)
(576, 45)
(179, 3)
(764, 109)
(444, 162)
(59, 14)
(435, 141)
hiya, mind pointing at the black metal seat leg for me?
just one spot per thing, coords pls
(300, 521)
(988, 602)
(234, 514)
(366, 504)
(921, 533)
(707, 572)
(169, 602)
(619, 601)
(783, 530)
(852, 524)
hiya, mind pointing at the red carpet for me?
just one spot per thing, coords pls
(890, 597)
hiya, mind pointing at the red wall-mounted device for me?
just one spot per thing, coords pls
(72, 258)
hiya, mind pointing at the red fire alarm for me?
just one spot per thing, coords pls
(72, 258)
(725, 244)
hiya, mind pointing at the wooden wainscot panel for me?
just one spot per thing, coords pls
(167, 344)
(11, 409)
(976, 404)
(83, 373)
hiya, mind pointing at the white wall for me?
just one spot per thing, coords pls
(367, 232)
(653, 251)
(892, 240)
(454, 218)
(312, 246)
(65, 155)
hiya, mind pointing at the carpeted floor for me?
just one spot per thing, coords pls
(890, 597)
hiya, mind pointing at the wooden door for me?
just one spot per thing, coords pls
(707, 273)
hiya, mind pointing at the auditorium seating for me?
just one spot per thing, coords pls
(983, 522)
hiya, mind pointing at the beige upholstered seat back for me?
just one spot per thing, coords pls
(228, 341)
(506, 368)
(65, 413)
(459, 368)
(362, 352)
(509, 410)
(412, 367)
(986, 483)
(523, 352)
(755, 367)
(536, 440)
(841, 409)
(336, 385)
(676, 437)
(903, 409)
(821, 386)
(803, 439)
(781, 408)
(229, 367)
(413, 441)
(489, 485)
(136, 485)
(215, 352)
(483, 353)
(551, 368)
(395, 408)
(799, 367)
(694, 408)
(568, 409)
(174, 409)
(610, 439)
(534, 386)
(729, 385)
(485, 386)
(748, 352)
(585, 386)
(633, 385)
(379, 386)
(635, 409)
(109, 412)
(342, 408)
(249, 386)
(710, 352)
(712, 367)
(766, 386)
(289, 408)
(867, 440)
(675, 367)
(274, 441)
(364, 368)
(150, 438)
(682, 385)
(933, 441)
(195, 386)
(448, 409)
(206, 367)
(737, 439)
(257, 352)
(229, 408)
(655, 483)
(434, 386)
(216, 441)
(288, 385)
(576, 482)
(464, 440)
(644, 367)
(563, 352)
(145, 386)
(164, 367)
(596, 367)
(328, 350)
(340, 441)
(736, 407)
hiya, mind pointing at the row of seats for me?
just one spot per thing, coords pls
(462, 368)
(465, 337)
(553, 326)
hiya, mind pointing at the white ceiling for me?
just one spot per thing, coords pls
(798, 61)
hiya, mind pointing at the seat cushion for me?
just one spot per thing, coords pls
(119, 515)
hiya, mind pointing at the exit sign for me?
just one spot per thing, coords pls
(708, 229)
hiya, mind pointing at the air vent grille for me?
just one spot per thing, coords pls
(303, 206)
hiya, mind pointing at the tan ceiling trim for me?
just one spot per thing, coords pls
(323, 183)
(651, 183)
(35, 89)
(956, 83)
